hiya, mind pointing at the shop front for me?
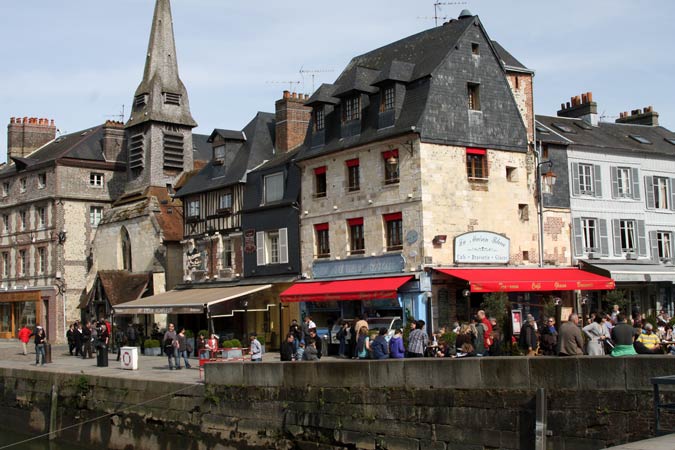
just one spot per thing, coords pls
(27, 308)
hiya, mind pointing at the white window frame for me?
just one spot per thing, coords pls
(42, 180)
(219, 153)
(23, 184)
(270, 245)
(96, 179)
(222, 203)
(661, 193)
(42, 260)
(664, 242)
(628, 230)
(586, 181)
(193, 207)
(95, 215)
(23, 219)
(5, 223)
(42, 216)
(227, 250)
(273, 193)
(23, 263)
(624, 182)
(589, 232)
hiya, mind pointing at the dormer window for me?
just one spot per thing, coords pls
(319, 118)
(475, 49)
(172, 99)
(388, 99)
(140, 100)
(351, 108)
(219, 154)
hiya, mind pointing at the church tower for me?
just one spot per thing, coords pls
(159, 131)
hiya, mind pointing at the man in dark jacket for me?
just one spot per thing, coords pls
(317, 342)
(379, 347)
(549, 337)
(528, 337)
(288, 348)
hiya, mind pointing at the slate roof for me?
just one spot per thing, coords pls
(119, 286)
(201, 147)
(235, 135)
(83, 144)
(612, 136)
(509, 61)
(258, 148)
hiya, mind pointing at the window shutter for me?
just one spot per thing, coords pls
(260, 247)
(614, 171)
(578, 238)
(635, 176)
(604, 239)
(649, 191)
(654, 244)
(641, 238)
(597, 188)
(283, 245)
(672, 193)
(575, 179)
(616, 232)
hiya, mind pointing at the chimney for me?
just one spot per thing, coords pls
(292, 121)
(639, 117)
(26, 135)
(113, 141)
(581, 107)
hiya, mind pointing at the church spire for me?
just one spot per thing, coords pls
(161, 96)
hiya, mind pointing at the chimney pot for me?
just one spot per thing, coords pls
(568, 105)
(562, 106)
(287, 94)
(590, 96)
(12, 120)
(294, 95)
(52, 123)
(584, 99)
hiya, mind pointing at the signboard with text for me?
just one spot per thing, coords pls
(482, 247)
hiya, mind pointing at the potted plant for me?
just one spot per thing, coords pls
(231, 349)
(152, 347)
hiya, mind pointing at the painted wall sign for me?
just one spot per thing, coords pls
(249, 241)
(358, 266)
(482, 247)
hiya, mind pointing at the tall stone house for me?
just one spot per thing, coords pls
(618, 179)
(54, 192)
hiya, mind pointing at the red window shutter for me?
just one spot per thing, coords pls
(389, 154)
(352, 162)
(393, 216)
(476, 151)
(355, 221)
(320, 170)
(321, 226)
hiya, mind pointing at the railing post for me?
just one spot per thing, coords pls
(541, 422)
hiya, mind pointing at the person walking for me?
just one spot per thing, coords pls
(417, 340)
(182, 349)
(39, 339)
(549, 338)
(528, 337)
(596, 334)
(570, 340)
(623, 336)
(77, 337)
(255, 348)
(342, 336)
(170, 347)
(70, 337)
(87, 339)
(288, 348)
(24, 337)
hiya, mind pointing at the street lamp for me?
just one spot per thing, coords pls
(547, 179)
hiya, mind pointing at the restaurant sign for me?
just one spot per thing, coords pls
(482, 247)
(359, 266)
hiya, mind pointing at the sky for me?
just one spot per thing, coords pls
(79, 61)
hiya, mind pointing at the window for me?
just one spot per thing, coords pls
(95, 215)
(640, 139)
(623, 182)
(319, 118)
(661, 193)
(5, 264)
(476, 163)
(474, 96)
(5, 189)
(353, 175)
(193, 208)
(23, 184)
(627, 235)
(272, 247)
(394, 229)
(670, 140)
(22, 220)
(586, 179)
(511, 174)
(517, 82)
(475, 49)
(356, 240)
(564, 128)
(225, 202)
(352, 108)
(388, 99)
(391, 167)
(42, 180)
(590, 236)
(274, 187)
(126, 249)
(320, 181)
(219, 153)
(5, 223)
(23, 263)
(227, 253)
(96, 179)
(42, 217)
(583, 125)
(664, 244)
(322, 242)
(42, 260)
(523, 212)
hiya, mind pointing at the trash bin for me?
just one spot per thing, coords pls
(129, 358)
(102, 356)
(48, 352)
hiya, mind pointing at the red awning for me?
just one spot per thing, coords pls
(364, 289)
(526, 280)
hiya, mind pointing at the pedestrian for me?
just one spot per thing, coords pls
(596, 334)
(310, 353)
(70, 338)
(255, 348)
(77, 336)
(132, 335)
(528, 337)
(170, 347)
(549, 338)
(201, 346)
(362, 343)
(487, 332)
(417, 340)
(396, 348)
(24, 337)
(39, 340)
(318, 343)
(379, 346)
(342, 336)
(570, 341)
(212, 345)
(623, 336)
(288, 348)
(307, 325)
(120, 340)
(87, 340)
(182, 348)
(296, 331)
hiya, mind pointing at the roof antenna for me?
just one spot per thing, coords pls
(289, 83)
(437, 7)
(119, 116)
(313, 74)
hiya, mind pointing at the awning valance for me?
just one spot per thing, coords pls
(186, 301)
(633, 273)
(359, 289)
(526, 280)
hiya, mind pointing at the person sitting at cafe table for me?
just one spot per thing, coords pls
(648, 342)
(622, 337)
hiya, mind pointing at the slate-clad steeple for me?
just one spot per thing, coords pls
(159, 131)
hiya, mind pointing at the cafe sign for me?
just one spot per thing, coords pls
(482, 247)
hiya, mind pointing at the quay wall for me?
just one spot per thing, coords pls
(418, 404)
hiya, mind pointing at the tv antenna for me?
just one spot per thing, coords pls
(312, 73)
(290, 84)
(119, 117)
(604, 116)
(437, 7)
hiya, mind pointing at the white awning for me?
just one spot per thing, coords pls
(633, 273)
(186, 301)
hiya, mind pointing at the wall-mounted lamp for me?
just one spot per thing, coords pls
(440, 239)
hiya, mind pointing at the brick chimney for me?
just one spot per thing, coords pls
(113, 141)
(581, 107)
(640, 117)
(26, 135)
(292, 121)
